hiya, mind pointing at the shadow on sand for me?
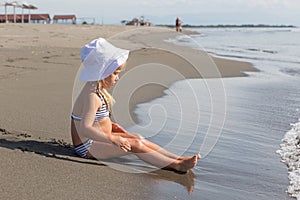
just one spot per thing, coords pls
(63, 151)
(47, 149)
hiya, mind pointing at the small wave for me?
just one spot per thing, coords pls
(236, 56)
(262, 50)
(278, 30)
(290, 155)
(291, 71)
(253, 57)
(295, 30)
(232, 46)
(269, 51)
(183, 38)
(253, 49)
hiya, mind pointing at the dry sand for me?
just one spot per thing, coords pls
(37, 70)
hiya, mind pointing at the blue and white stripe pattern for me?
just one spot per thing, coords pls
(100, 114)
(103, 112)
(83, 148)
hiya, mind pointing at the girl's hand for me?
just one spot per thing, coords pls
(117, 128)
(121, 142)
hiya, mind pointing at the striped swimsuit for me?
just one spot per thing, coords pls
(102, 113)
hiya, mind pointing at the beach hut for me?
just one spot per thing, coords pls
(65, 18)
(26, 18)
(44, 18)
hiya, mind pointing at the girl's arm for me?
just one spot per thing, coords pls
(93, 130)
(117, 128)
(87, 126)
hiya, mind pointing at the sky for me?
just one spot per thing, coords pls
(193, 12)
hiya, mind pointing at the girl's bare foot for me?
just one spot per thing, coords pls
(188, 163)
(184, 157)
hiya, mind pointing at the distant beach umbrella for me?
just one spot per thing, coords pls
(18, 5)
(15, 4)
(29, 7)
(5, 5)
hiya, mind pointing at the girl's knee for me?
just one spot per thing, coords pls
(137, 136)
(137, 144)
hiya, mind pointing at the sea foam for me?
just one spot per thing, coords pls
(290, 154)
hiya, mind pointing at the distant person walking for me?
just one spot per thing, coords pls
(178, 24)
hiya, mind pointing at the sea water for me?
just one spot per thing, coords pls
(249, 135)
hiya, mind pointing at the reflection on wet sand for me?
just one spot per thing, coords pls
(187, 180)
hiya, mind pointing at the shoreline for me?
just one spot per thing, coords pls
(39, 65)
(149, 47)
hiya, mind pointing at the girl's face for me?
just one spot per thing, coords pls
(113, 78)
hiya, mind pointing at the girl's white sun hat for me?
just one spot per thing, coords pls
(100, 59)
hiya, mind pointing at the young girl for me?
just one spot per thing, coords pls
(94, 135)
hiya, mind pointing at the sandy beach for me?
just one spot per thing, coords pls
(39, 64)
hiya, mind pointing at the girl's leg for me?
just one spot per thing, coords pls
(161, 150)
(105, 150)
(153, 146)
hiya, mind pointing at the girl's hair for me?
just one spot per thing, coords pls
(109, 100)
